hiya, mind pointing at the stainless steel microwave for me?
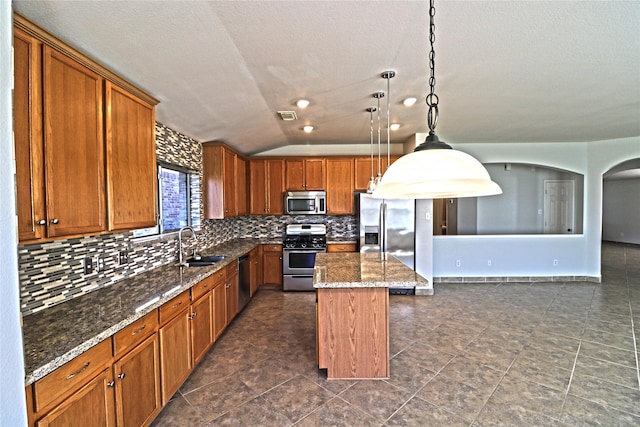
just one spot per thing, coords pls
(305, 202)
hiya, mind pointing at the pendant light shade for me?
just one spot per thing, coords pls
(435, 170)
(435, 174)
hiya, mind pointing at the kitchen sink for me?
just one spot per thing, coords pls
(204, 260)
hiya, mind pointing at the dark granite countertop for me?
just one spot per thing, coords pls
(56, 335)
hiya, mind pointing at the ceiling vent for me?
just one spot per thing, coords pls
(288, 115)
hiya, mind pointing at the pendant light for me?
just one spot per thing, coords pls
(378, 95)
(435, 170)
(372, 180)
(388, 75)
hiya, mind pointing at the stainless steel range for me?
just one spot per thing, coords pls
(301, 244)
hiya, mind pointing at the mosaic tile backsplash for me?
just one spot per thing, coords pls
(53, 272)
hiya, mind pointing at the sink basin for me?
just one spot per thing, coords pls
(201, 261)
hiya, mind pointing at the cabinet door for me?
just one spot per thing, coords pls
(212, 181)
(275, 182)
(92, 405)
(294, 180)
(241, 189)
(175, 354)
(229, 183)
(363, 171)
(258, 187)
(314, 174)
(27, 115)
(341, 247)
(201, 327)
(137, 384)
(255, 259)
(219, 294)
(272, 265)
(232, 298)
(131, 160)
(340, 186)
(73, 147)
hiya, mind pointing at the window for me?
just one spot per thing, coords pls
(178, 200)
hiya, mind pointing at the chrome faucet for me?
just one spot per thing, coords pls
(180, 250)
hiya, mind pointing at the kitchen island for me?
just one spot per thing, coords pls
(352, 313)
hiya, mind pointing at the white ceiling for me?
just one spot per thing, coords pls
(507, 71)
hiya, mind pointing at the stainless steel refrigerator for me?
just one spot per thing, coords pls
(388, 226)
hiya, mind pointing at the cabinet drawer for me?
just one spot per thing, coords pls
(272, 248)
(203, 287)
(170, 308)
(135, 333)
(72, 375)
(232, 269)
(341, 247)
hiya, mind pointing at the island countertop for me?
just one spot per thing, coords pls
(363, 270)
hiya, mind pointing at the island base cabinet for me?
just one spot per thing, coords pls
(92, 405)
(353, 332)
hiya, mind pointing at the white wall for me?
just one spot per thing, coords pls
(621, 210)
(530, 255)
(13, 410)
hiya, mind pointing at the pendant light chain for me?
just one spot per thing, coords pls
(432, 98)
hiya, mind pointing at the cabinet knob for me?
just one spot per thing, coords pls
(121, 376)
(111, 384)
(55, 221)
(42, 222)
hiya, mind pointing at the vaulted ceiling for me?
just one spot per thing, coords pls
(506, 71)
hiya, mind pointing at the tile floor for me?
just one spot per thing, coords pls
(512, 354)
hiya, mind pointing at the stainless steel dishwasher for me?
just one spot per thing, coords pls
(244, 279)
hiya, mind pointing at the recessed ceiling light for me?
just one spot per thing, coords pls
(409, 102)
(308, 129)
(302, 103)
(394, 126)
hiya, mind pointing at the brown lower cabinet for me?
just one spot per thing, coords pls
(272, 265)
(126, 380)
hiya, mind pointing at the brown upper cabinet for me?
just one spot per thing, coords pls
(224, 181)
(340, 186)
(131, 159)
(305, 174)
(63, 166)
(267, 185)
(363, 169)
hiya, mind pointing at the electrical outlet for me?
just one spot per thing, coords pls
(489, 262)
(555, 262)
(88, 265)
(123, 257)
(99, 259)
(458, 263)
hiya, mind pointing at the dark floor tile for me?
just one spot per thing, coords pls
(530, 397)
(540, 372)
(502, 414)
(178, 413)
(377, 398)
(406, 373)
(256, 412)
(582, 413)
(266, 374)
(454, 396)
(219, 397)
(297, 397)
(608, 353)
(478, 375)
(608, 371)
(338, 413)
(606, 393)
(418, 412)
(496, 357)
(612, 340)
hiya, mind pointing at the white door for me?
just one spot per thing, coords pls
(558, 207)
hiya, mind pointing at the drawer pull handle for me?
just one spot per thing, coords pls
(137, 331)
(81, 370)
(177, 305)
